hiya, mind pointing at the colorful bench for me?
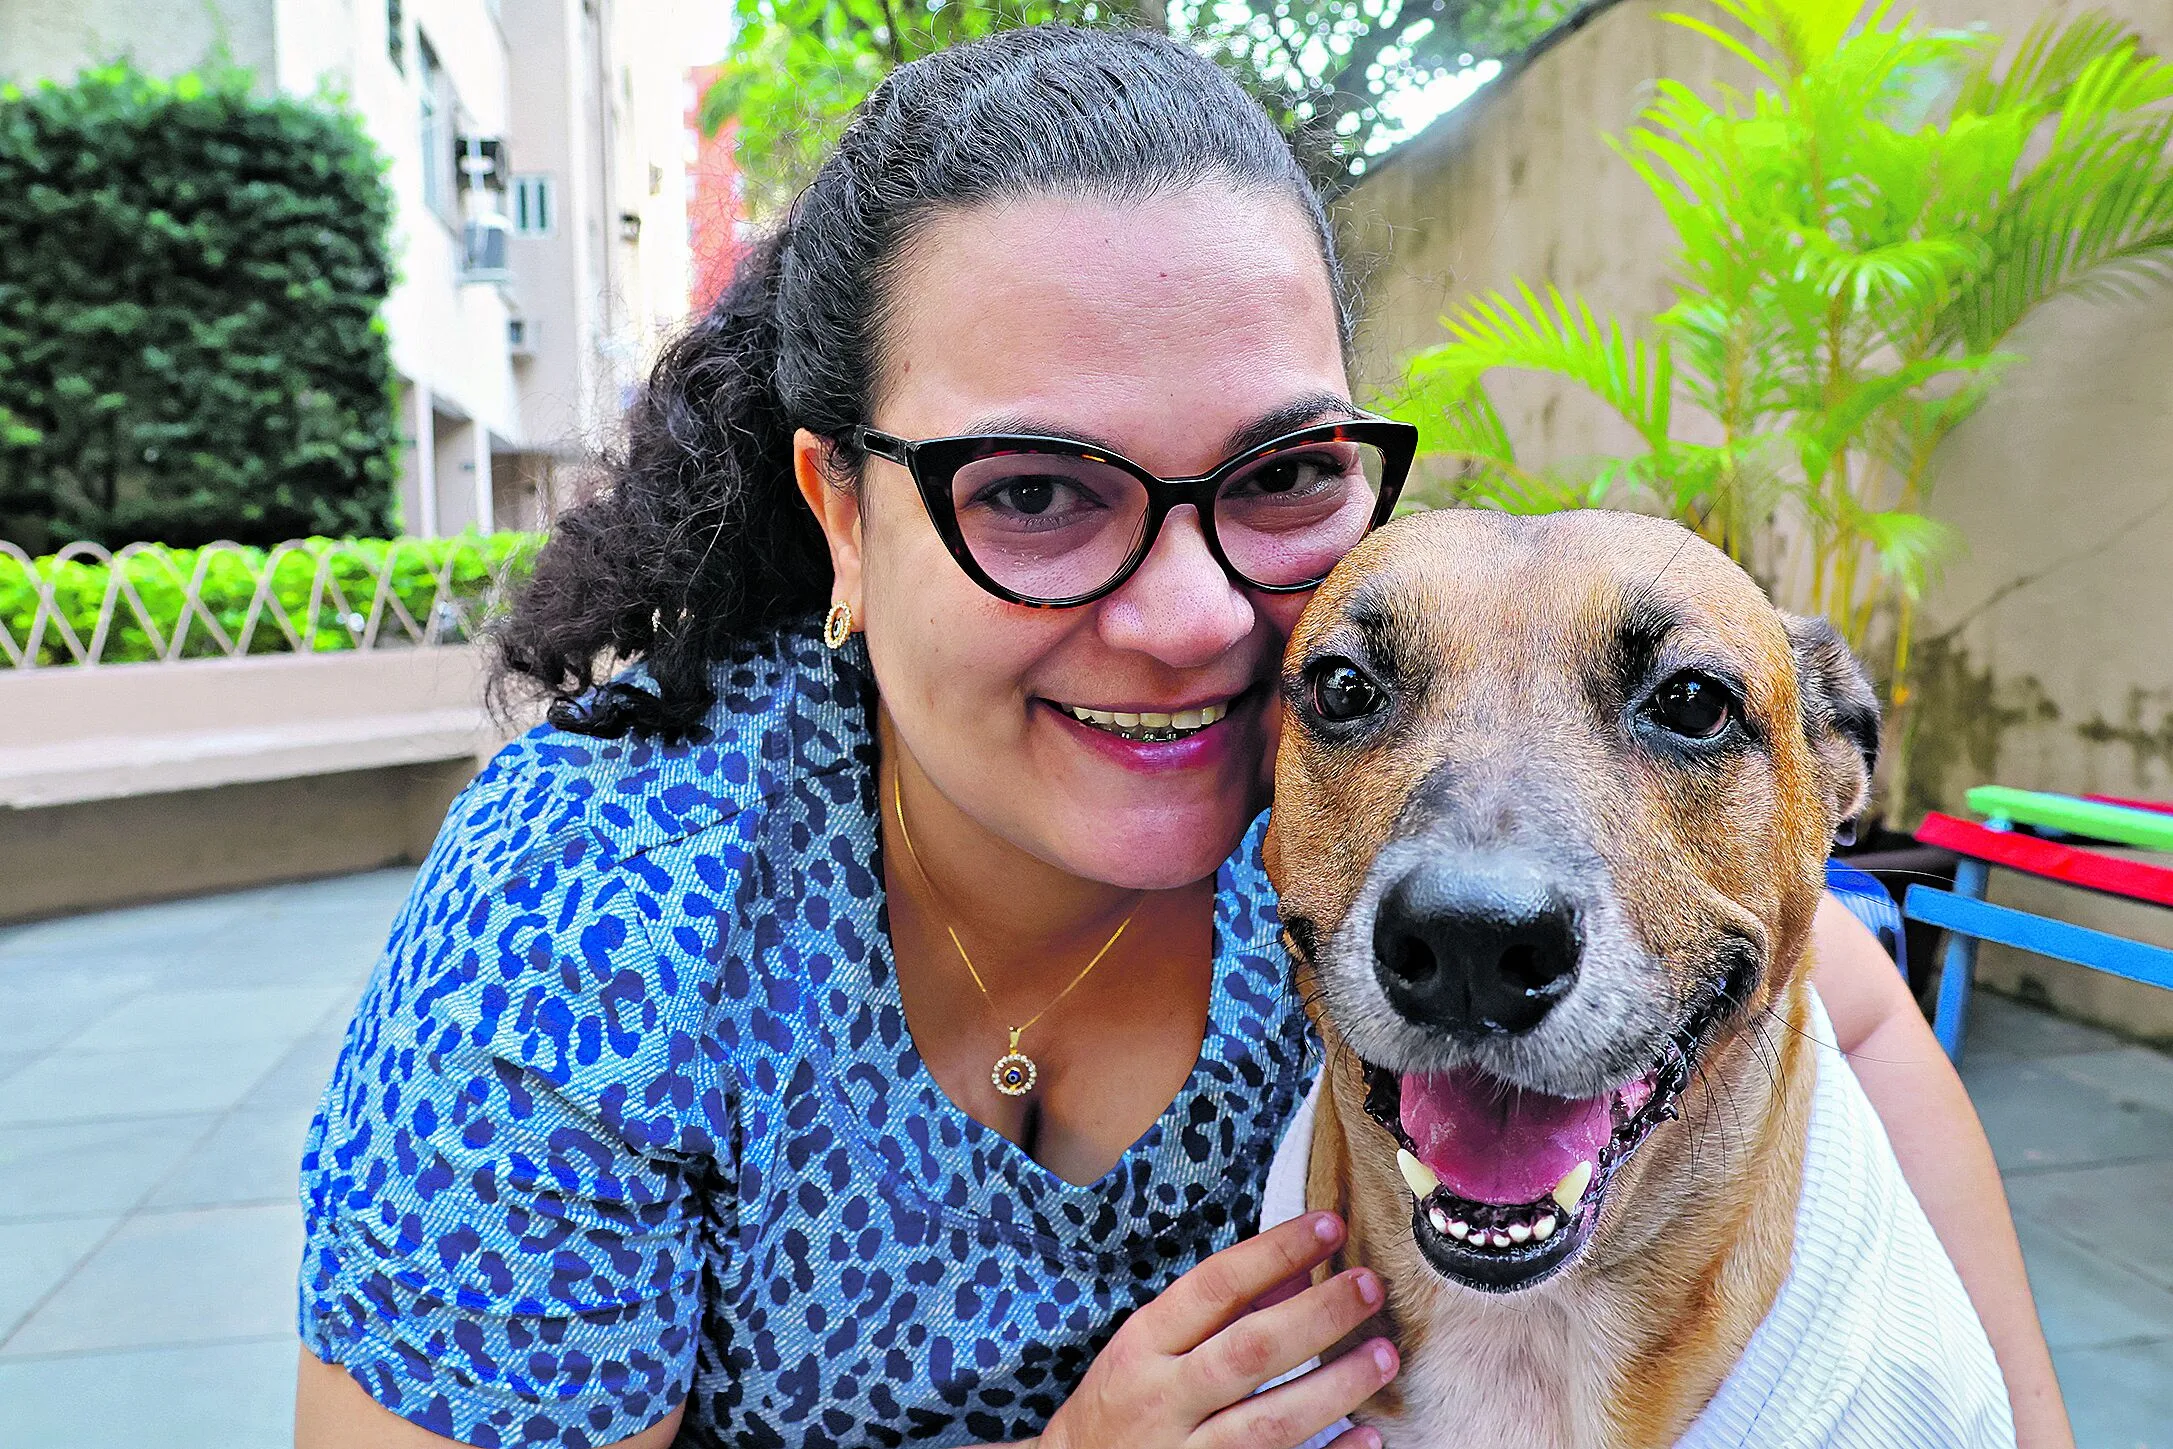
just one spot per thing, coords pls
(1969, 918)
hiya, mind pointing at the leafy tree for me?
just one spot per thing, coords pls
(190, 276)
(1856, 239)
(1322, 67)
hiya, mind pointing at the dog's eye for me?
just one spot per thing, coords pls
(1341, 691)
(1694, 706)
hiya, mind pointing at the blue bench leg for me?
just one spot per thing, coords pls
(1958, 967)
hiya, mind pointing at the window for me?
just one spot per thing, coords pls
(532, 206)
(396, 35)
(438, 111)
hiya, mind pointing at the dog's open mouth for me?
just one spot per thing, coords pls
(1506, 1183)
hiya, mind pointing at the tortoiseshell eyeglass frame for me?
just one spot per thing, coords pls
(935, 462)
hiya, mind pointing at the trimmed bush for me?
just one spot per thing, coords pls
(324, 590)
(190, 276)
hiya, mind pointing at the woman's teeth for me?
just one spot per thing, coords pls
(1149, 726)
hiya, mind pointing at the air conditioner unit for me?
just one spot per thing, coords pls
(480, 161)
(484, 250)
(521, 336)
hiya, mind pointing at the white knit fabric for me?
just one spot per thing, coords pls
(1871, 1342)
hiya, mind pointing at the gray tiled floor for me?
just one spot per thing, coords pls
(2083, 1128)
(158, 1068)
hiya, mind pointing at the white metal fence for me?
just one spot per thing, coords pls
(145, 602)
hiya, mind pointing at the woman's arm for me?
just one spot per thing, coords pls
(1943, 1154)
(332, 1411)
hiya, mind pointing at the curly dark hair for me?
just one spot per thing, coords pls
(699, 537)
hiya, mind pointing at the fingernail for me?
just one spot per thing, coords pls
(1384, 1359)
(1369, 1289)
(1326, 1228)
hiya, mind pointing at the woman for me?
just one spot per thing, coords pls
(837, 1045)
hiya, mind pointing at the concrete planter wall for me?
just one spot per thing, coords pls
(137, 782)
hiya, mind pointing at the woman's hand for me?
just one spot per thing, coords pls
(1182, 1370)
(1943, 1154)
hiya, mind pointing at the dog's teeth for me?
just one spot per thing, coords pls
(1440, 1220)
(1519, 1233)
(1570, 1190)
(1499, 1240)
(1544, 1228)
(1458, 1230)
(1417, 1174)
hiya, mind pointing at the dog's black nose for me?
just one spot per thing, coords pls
(1480, 945)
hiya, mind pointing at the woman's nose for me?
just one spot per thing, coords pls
(1180, 607)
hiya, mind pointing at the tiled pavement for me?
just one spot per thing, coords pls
(158, 1068)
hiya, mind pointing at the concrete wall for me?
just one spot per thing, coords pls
(134, 782)
(57, 38)
(2049, 642)
(107, 853)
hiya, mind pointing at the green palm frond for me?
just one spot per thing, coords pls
(2102, 204)
(1558, 335)
(1855, 237)
(2052, 54)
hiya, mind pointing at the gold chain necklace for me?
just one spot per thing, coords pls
(1015, 1073)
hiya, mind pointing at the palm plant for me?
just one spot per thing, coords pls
(1857, 236)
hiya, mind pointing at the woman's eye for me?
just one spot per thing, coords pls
(1025, 495)
(1693, 706)
(1298, 474)
(1035, 496)
(1341, 691)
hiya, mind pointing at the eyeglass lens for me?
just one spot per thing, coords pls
(1054, 526)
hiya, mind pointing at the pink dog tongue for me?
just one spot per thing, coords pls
(1493, 1143)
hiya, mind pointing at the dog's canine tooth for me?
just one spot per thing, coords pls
(1544, 1228)
(1416, 1173)
(1570, 1190)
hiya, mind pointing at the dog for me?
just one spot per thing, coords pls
(1553, 800)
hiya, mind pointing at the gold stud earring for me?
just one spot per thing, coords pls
(837, 626)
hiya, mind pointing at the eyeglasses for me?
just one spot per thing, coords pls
(1055, 523)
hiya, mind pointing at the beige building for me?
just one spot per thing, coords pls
(2049, 661)
(538, 168)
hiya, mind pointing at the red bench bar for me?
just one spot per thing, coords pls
(2111, 874)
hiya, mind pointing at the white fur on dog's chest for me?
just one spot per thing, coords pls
(1490, 1377)
(1870, 1344)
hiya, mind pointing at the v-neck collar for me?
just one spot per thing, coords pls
(1202, 1160)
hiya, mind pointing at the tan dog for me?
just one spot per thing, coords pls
(1552, 805)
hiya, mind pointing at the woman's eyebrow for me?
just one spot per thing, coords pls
(1316, 407)
(1291, 416)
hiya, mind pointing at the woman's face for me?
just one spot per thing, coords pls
(1172, 331)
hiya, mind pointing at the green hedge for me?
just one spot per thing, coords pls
(232, 574)
(190, 347)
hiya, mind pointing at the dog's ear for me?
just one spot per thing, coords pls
(1840, 717)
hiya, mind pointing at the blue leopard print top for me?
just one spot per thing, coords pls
(629, 1114)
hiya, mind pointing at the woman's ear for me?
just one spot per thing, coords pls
(837, 509)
